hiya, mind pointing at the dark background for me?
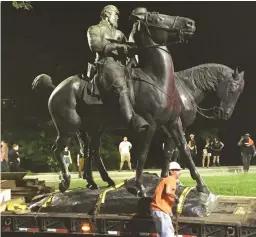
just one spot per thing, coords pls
(51, 39)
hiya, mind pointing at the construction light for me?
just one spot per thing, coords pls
(85, 227)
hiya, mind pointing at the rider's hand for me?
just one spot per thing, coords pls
(124, 47)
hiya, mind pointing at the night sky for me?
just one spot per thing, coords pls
(51, 39)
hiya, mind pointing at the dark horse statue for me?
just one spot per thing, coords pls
(193, 85)
(155, 94)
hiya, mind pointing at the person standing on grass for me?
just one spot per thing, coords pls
(192, 147)
(247, 151)
(4, 156)
(206, 153)
(67, 157)
(14, 158)
(163, 200)
(80, 163)
(124, 150)
(216, 147)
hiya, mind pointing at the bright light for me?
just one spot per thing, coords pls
(85, 227)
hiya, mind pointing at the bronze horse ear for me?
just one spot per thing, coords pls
(236, 74)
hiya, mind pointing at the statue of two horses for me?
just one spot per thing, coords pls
(157, 94)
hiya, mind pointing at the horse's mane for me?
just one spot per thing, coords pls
(203, 77)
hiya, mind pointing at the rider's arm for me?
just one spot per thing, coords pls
(96, 40)
(98, 43)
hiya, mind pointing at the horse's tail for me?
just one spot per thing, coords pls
(43, 81)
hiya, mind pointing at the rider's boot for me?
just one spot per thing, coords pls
(138, 123)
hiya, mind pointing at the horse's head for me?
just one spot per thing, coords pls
(162, 29)
(229, 91)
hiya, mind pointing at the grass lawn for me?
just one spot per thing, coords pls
(233, 185)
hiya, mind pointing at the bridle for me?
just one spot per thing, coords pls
(147, 24)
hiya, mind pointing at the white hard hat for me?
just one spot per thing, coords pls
(174, 166)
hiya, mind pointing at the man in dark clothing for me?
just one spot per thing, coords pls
(193, 148)
(216, 147)
(247, 151)
(14, 159)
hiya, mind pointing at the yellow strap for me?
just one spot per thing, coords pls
(183, 198)
(12, 206)
(103, 195)
(48, 200)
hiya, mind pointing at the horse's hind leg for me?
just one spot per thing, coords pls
(59, 146)
(177, 133)
(67, 122)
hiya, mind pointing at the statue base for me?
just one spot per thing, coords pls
(125, 200)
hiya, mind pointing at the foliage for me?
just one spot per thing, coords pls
(36, 142)
(109, 151)
(22, 4)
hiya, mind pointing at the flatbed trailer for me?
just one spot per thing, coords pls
(235, 217)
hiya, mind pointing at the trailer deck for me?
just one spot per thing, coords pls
(234, 216)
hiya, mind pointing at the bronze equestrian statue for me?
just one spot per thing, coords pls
(156, 98)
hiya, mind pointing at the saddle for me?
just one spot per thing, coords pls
(92, 74)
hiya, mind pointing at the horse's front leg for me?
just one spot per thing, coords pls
(144, 140)
(95, 141)
(177, 133)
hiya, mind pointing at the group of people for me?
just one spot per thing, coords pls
(212, 148)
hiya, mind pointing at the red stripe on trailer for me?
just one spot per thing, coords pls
(33, 230)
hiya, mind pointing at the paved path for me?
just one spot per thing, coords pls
(212, 171)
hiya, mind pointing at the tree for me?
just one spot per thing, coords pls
(22, 4)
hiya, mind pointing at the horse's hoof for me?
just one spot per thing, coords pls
(202, 189)
(62, 186)
(142, 194)
(92, 186)
(141, 190)
(111, 183)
